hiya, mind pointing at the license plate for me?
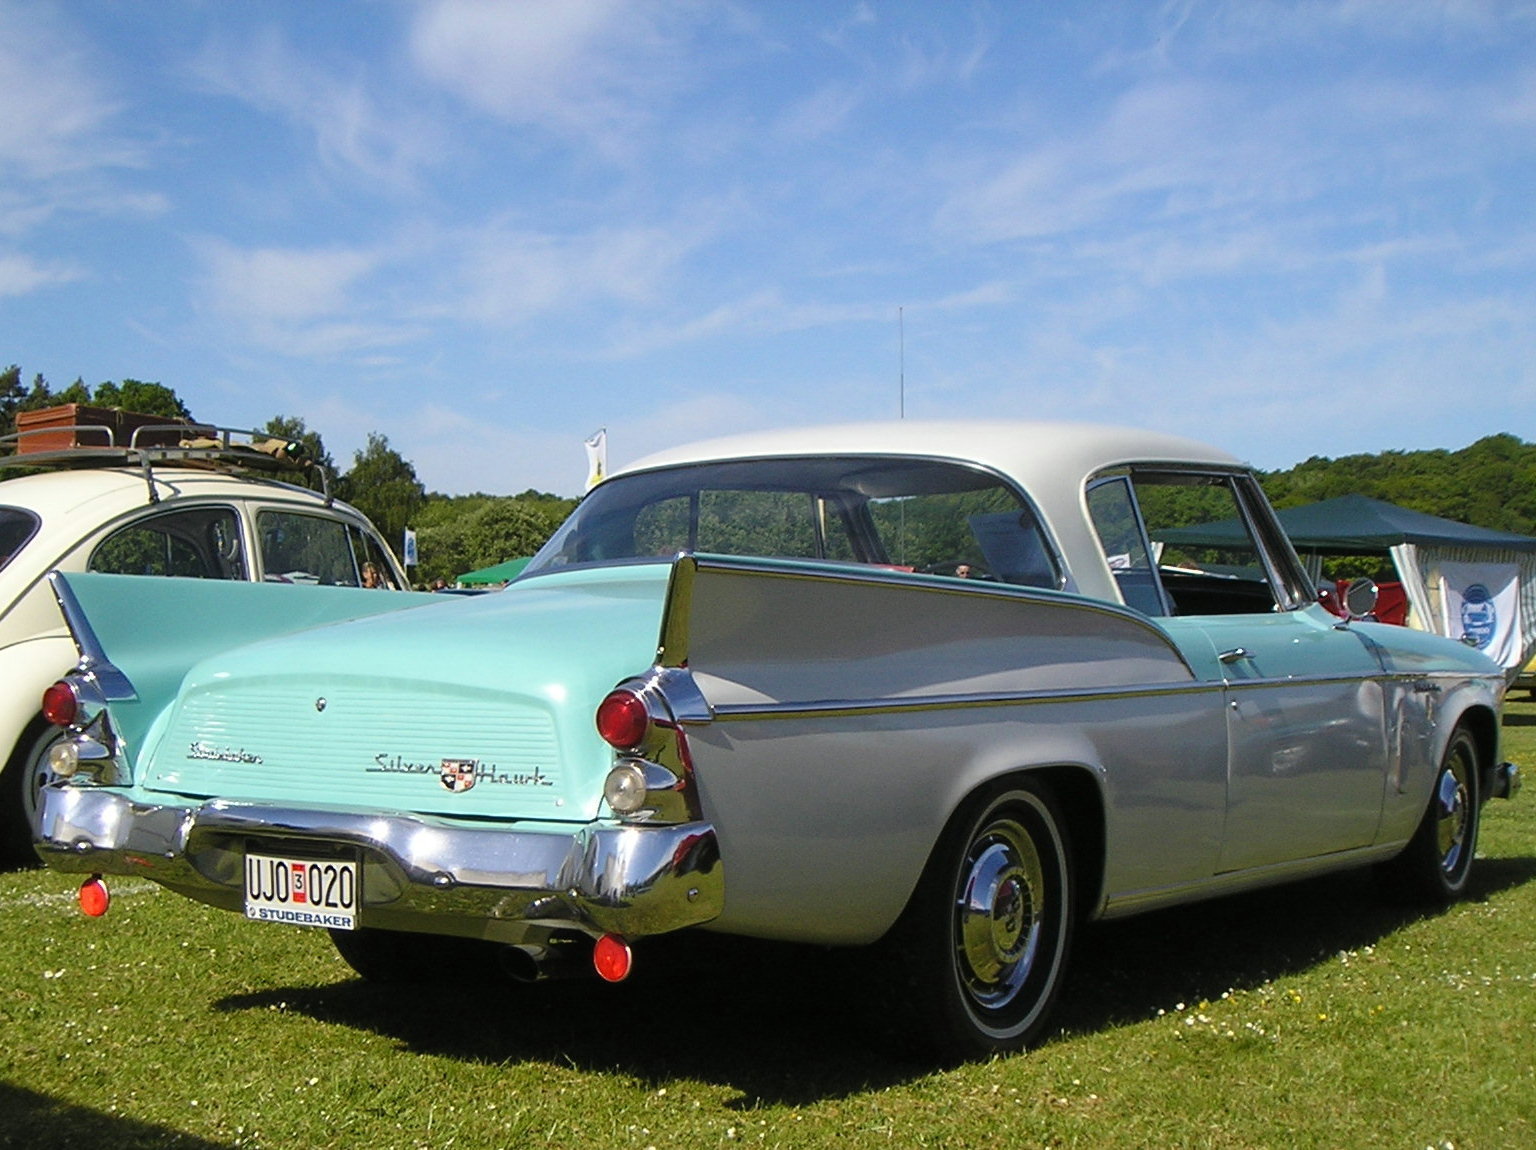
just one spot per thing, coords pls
(301, 892)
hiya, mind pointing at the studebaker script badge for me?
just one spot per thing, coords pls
(459, 775)
(202, 750)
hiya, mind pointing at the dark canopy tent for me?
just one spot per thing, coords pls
(1433, 557)
(1356, 525)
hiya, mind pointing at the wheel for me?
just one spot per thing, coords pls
(984, 941)
(397, 956)
(21, 786)
(1436, 865)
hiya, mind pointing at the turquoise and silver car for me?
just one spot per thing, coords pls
(946, 690)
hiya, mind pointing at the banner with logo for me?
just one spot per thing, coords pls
(1481, 602)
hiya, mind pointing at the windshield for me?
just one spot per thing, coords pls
(907, 514)
(16, 528)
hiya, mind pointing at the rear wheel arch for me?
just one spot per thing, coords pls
(981, 951)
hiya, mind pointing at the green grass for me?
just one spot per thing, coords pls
(1313, 1016)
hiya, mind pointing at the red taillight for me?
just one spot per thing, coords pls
(94, 896)
(622, 719)
(60, 707)
(612, 958)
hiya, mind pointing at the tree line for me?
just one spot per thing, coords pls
(1491, 483)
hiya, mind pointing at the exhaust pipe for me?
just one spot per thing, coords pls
(555, 958)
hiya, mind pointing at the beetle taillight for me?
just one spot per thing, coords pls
(623, 720)
(60, 705)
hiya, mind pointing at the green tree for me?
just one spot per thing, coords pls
(382, 484)
(145, 398)
(11, 395)
(492, 531)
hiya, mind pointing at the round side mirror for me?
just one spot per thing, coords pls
(1360, 598)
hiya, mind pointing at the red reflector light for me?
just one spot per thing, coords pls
(622, 719)
(60, 705)
(94, 896)
(612, 958)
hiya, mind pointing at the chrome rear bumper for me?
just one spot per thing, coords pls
(418, 873)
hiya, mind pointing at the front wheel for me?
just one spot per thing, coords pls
(1436, 865)
(984, 942)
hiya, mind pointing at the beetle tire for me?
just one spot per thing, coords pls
(985, 939)
(403, 957)
(20, 784)
(1436, 865)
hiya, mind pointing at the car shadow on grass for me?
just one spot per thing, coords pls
(791, 1025)
(34, 1121)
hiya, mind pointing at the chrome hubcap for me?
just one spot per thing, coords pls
(998, 914)
(1453, 802)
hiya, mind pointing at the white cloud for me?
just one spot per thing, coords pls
(512, 276)
(304, 303)
(593, 69)
(278, 284)
(382, 140)
(55, 109)
(21, 275)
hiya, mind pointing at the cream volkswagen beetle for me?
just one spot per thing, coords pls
(942, 689)
(212, 512)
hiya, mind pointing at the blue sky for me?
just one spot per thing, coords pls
(487, 229)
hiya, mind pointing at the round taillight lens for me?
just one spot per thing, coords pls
(622, 719)
(60, 707)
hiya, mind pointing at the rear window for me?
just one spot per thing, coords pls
(923, 515)
(16, 528)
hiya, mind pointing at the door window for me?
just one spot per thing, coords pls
(1193, 543)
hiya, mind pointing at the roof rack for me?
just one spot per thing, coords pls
(227, 449)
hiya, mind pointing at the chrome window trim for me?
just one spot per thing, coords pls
(777, 710)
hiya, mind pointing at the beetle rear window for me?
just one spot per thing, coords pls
(16, 529)
(911, 514)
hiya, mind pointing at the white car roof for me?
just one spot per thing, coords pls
(1039, 455)
(52, 493)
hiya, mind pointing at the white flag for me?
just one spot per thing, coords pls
(1482, 605)
(410, 548)
(597, 458)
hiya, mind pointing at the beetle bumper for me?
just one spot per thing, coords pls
(418, 873)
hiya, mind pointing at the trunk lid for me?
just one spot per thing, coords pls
(478, 707)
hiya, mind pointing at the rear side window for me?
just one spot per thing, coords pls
(297, 548)
(198, 543)
(16, 528)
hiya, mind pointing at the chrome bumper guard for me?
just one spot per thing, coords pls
(1502, 781)
(418, 873)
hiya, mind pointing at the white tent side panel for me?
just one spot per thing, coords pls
(1422, 569)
